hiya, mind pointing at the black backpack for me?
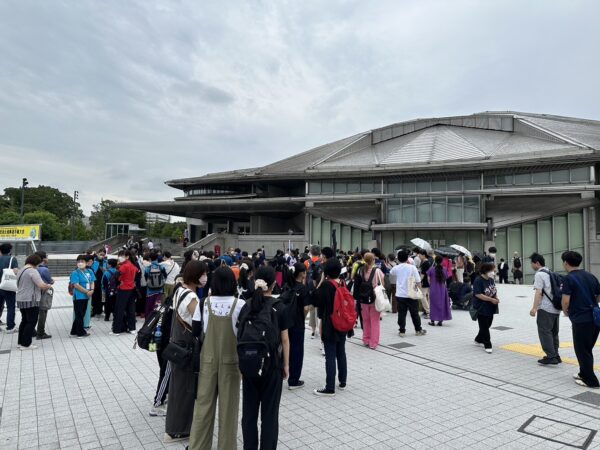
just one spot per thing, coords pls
(556, 282)
(259, 340)
(313, 276)
(517, 263)
(366, 293)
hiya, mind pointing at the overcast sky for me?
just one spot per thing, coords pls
(112, 98)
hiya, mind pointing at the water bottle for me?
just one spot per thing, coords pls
(158, 335)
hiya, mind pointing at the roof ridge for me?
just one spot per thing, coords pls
(541, 116)
(556, 134)
(451, 129)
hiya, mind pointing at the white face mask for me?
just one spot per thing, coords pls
(81, 265)
(490, 274)
(121, 259)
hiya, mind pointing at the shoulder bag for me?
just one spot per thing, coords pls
(9, 278)
(382, 301)
(177, 353)
(414, 291)
(46, 300)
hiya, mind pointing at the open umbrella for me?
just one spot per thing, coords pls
(446, 251)
(421, 243)
(462, 250)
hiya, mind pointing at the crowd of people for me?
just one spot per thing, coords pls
(219, 321)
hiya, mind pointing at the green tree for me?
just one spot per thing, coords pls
(42, 198)
(52, 228)
(106, 212)
(8, 217)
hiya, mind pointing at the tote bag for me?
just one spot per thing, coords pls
(9, 279)
(413, 290)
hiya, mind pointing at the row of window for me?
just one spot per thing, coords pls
(351, 187)
(216, 190)
(563, 176)
(429, 185)
(434, 209)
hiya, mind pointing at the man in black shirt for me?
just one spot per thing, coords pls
(581, 292)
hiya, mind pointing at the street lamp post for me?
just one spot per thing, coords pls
(75, 197)
(25, 183)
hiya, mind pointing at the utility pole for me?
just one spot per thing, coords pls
(25, 183)
(75, 197)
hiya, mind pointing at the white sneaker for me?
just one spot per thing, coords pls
(158, 411)
(11, 331)
(114, 334)
(31, 347)
(488, 350)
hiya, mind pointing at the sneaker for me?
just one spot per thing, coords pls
(131, 331)
(477, 343)
(431, 323)
(31, 347)
(401, 333)
(43, 336)
(576, 376)
(11, 331)
(488, 350)
(582, 383)
(547, 361)
(158, 411)
(342, 386)
(293, 387)
(312, 336)
(83, 336)
(175, 437)
(112, 333)
(324, 392)
(425, 315)
(421, 332)
(439, 324)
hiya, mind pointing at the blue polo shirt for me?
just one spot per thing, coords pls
(583, 287)
(83, 278)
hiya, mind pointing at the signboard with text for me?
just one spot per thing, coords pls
(24, 233)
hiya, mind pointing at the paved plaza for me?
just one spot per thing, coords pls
(437, 391)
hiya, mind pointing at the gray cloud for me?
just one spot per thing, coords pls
(112, 98)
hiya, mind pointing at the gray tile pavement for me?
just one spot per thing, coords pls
(441, 392)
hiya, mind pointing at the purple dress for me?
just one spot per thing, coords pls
(438, 297)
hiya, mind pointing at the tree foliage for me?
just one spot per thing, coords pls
(42, 198)
(106, 212)
(167, 230)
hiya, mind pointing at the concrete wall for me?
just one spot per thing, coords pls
(593, 250)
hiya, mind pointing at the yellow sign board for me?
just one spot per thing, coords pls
(20, 233)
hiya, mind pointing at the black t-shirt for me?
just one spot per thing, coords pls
(325, 299)
(485, 287)
(425, 265)
(583, 287)
(297, 317)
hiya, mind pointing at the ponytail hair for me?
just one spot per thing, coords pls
(293, 272)
(439, 269)
(246, 268)
(263, 280)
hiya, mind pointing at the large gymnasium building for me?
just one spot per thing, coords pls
(522, 182)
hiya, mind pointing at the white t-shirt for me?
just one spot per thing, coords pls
(542, 281)
(182, 306)
(220, 306)
(402, 272)
(172, 269)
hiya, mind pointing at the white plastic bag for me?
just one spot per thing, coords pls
(9, 279)
(382, 302)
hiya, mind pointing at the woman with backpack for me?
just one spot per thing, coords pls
(371, 277)
(219, 376)
(245, 286)
(298, 302)
(262, 379)
(182, 387)
(439, 301)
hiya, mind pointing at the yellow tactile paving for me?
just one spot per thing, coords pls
(536, 350)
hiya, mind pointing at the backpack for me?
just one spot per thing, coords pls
(259, 340)
(556, 282)
(161, 315)
(155, 277)
(344, 313)
(313, 275)
(366, 293)
(111, 283)
(517, 263)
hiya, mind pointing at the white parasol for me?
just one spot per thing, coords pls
(461, 249)
(422, 243)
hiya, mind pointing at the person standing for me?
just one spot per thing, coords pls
(404, 273)
(110, 284)
(182, 386)
(172, 269)
(219, 378)
(334, 341)
(300, 303)
(263, 393)
(43, 312)
(547, 315)
(426, 263)
(503, 271)
(371, 277)
(29, 293)
(156, 276)
(98, 267)
(8, 297)
(87, 318)
(438, 293)
(82, 281)
(517, 268)
(581, 293)
(460, 266)
(485, 300)
(124, 316)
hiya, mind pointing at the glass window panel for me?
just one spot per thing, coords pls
(438, 209)
(314, 187)
(408, 186)
(423, 186)
(356, 239)
(339, 188)
(529, 244)
(353, 188)
(471, 210)
(366, 239)
(472, 183)
(395, 188)
(326, 233)
(489, 180)
(346, 239)
(408, 210)
(522, 179)
(514, 241)
(560, 176)
(387, 241)
(504, 180)
(326, 187)
(394, 212)
(316, 230)
(423, 210)
(544, 236)
(575, 230)
(455, 185)
(561, 240)
(438, 186)
(580, 174)
(500, 242)
(540, 177)
(455, 209)
(366, 186)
